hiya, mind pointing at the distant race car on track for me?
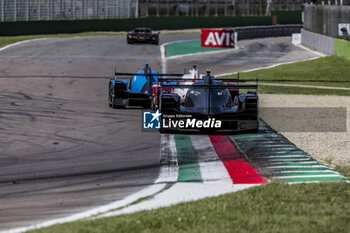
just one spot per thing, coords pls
(134, 89)
(142, 35)
(210, 98)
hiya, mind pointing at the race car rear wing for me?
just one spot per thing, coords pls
(148, 75)
(225, 80)
(209, 86)
(227, 83)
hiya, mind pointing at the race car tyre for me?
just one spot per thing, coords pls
(110, 103)
(156, 42)
(252, 131)
(153, 103)
(112, 98)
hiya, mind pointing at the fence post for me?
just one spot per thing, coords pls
(168, 8)
(177, 8)
(27, 10)
(268, 8)
(129, 3)
(84, 9)
(61, 9)
(2, 11)
(157, 8)
(15, 10)
(137, 9)
(147, 8)
(192, 7)
(188, 7)
(48, 9)
(73, 8)
(106, 9)
(96, 9)
(116, 8)
(208, 8)
(234, 7)
(38, 9)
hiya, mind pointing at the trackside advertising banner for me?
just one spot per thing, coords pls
(224, 38)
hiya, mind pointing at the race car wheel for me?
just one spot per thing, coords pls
(112, 98)
(156, 41)
(153, 103)
(110, 103)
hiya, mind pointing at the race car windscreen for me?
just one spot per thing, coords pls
(220, 101)
(207, 101)
(146, 31)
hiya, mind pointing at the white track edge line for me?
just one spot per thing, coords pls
(268, 67)
(21, 42)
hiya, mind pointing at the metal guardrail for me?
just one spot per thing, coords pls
(252, 32)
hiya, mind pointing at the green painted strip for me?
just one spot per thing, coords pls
(282, 149)
(313, 179)
(253, 136)
(299, 169)
(286, 166)
(189, 170)
(306, 174)
(289, 160)
(292, 163)
(295, 164)
(275, 145)
(286, 156)
(188, 47)
(289, 153)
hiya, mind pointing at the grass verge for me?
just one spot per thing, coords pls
(323, 207)
(329, 71)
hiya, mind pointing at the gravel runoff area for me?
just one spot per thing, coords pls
(332, 148)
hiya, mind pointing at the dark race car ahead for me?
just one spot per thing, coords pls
(142, 35)
(134, 89)
(209, 100)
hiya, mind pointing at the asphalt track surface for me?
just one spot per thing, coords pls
(62, 149)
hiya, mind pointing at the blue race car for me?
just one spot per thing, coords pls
(134, 91)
